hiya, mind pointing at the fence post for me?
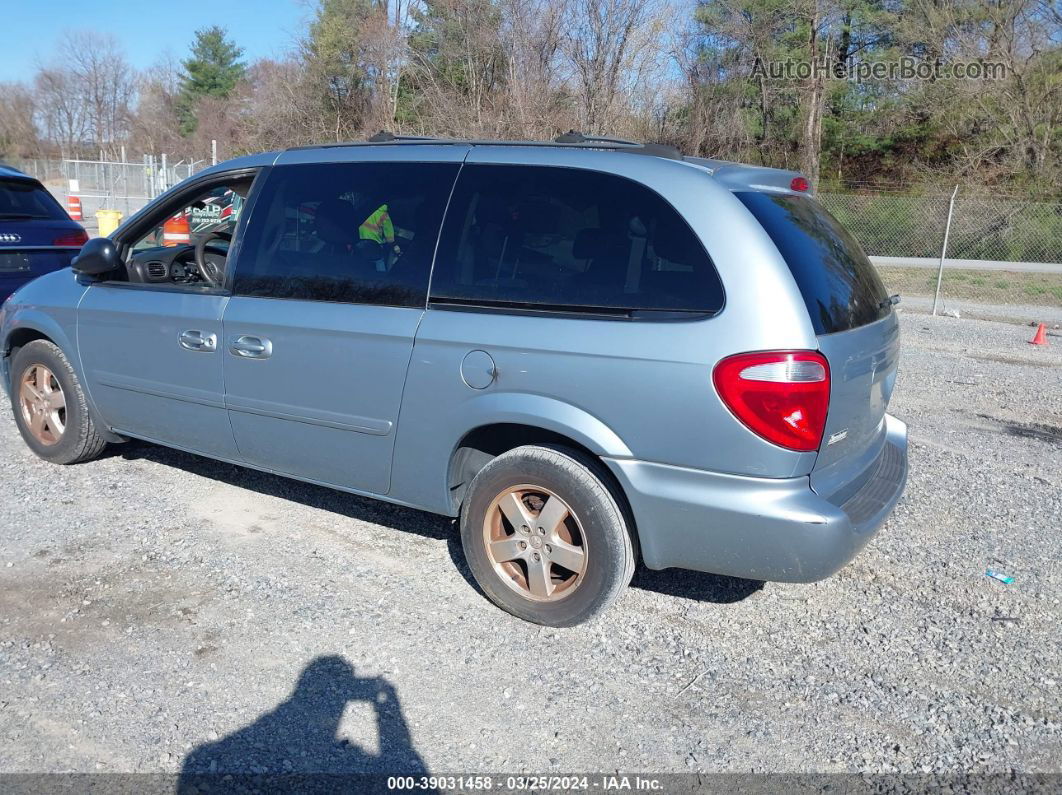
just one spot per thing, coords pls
(213, 152)
(944, 248)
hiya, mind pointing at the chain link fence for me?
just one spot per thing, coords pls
(1004, 254)
(122, 185)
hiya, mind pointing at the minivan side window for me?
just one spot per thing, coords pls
(566, 239)
(361, 233)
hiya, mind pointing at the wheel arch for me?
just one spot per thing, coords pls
(22, 336)
(23, 328)
(41, 327)
(28, 324)
(495, 422)
(486, 442)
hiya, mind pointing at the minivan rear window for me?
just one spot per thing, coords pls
(547, 238)
(21, 198)
(840, 286)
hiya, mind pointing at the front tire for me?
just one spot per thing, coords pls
(50, 407)
(545, 537)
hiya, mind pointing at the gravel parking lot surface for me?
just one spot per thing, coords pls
(157, 607)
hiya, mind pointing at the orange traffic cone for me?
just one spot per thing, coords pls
(1041, 335)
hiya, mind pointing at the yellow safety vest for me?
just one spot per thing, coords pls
(378, 227)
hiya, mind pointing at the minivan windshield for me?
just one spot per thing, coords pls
(840, 286)
(23, 199)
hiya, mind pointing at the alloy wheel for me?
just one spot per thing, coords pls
(43, 404)
(535, 542)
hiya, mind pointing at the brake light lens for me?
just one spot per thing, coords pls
(799, 184)
(75, 238)
(782, 396)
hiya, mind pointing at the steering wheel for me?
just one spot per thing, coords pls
(208, 270)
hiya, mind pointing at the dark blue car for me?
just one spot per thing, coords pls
(36, 234)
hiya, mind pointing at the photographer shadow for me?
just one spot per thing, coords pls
(296, 743)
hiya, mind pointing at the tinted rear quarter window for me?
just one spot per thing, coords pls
(21, 198)
(361, 233)
(840, 286)
(540, 237)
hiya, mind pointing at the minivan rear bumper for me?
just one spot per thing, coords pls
(758, 528)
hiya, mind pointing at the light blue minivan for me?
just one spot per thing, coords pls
(591, 351)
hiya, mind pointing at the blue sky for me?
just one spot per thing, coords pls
(145, 29)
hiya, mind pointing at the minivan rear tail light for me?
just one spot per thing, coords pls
(76, 238)
(781, 395)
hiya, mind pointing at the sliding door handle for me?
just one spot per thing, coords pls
(247, 346)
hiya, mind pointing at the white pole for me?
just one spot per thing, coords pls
(944, 248)
(213, 152)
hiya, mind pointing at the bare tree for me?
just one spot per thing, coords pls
(814, 93)
(457, 68)
(83, 100)
(154, 124)
(107, 84)
(536, 104)
(605, 42)
(18, 133)
(712, 105)
(62, 111)
(278, 111)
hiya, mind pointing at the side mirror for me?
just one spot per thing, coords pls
(98, 256)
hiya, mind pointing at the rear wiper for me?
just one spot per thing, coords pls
(892, 300)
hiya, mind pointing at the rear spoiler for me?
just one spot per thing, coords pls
(739, 176)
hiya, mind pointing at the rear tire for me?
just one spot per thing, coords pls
(50, 407)
(545, 537)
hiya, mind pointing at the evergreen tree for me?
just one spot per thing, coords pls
(348, 55)
(213, 70)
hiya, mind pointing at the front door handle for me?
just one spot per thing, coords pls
(194, 340)
(247, 346)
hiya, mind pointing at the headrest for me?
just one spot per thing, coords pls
(536, 216)
(336, 222)
(493, 210)
(589, 243)
(672, 240)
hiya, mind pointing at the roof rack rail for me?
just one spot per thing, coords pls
(576, 137)
(385, 136)
(658, 150)
(569, 140)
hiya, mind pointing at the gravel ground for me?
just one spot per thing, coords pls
(156, 607)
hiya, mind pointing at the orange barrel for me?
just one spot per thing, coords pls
(176, 231)
(73, 208)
